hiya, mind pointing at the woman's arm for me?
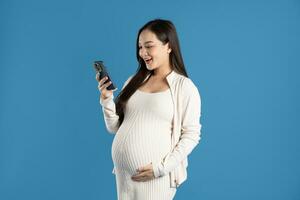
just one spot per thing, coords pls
(109, 111)
(190, 131)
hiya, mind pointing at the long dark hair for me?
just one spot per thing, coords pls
(165, 31)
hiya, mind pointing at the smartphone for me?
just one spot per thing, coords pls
(102, 71)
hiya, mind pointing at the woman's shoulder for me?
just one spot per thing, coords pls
(189, 88)
(185, 82)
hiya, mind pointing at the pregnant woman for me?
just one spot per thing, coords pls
(155, 118)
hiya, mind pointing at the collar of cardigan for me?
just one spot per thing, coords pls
(169, 77)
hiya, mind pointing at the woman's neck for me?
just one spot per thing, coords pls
(161, 73)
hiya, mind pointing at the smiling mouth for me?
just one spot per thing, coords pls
(148, 61)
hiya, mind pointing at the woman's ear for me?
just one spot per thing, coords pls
(169, 49)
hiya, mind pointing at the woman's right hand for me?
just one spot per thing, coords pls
(105, 93)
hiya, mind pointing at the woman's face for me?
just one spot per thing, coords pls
(152, 50)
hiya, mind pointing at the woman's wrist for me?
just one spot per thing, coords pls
(103, 97)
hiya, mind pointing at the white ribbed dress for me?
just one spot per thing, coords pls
(143, 137)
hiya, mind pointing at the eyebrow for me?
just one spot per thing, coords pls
(147, 42)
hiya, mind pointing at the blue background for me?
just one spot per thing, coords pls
(243, 57)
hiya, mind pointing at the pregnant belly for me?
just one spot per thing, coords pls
(134, 149)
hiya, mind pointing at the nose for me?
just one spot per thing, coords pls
(143, 52)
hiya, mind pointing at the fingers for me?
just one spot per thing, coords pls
(102, 86)
(141, 177)
(98, 77)
(144, 174)
(101, 80)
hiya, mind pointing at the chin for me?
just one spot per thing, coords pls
(149, 67)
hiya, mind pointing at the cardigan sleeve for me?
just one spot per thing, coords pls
(111, 118)
(190, 131)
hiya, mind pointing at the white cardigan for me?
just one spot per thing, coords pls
(186, 126)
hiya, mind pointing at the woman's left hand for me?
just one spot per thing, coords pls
(144, 173)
